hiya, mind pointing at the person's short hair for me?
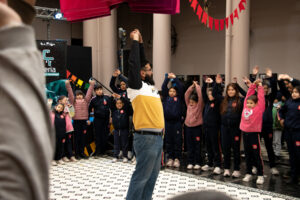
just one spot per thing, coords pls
(60, 98)
(194, 97)
(173, 87)
(203, 195)
(97, 87)
(297, 88)
(253, 98)
(79, 92)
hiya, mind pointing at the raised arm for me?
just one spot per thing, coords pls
(261, 97)
(188, 94)
(204, 89)
(180, 87)
(112, 84)
(251, 91)
(283, 89)
(70, 92)
(164, 87)
(273, 85)
(199, 93)
(134, 76)
(89, 93)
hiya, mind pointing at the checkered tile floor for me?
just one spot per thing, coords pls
(97, 179)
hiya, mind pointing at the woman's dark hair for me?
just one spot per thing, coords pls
(236, 98)
(97, 87)
(79, 92)
(194, 97)
(173, 87)
(253, 98)
(297, 88)
(60, 98)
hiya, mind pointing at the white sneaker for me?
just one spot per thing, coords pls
(73, 159)
(254, 170)
(129, 154)
(133, 161)
(60, 162)
(206, 168)
(217, 171)
(260, 180)
(114, 160)
(226, 173)
(274, 171)
(176, 163)
(53, 163)
(65, 159)
(197, 167)
(236, 174)
(170, 163)
(190, 166)
(125, 160)
(247, 178)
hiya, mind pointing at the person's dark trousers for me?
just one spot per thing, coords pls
(148, 149)
(253, 152)
(267, 135)
(213, 146)
(231, 139)
(293, 143)
(80, 127)
(120, 142)
(193, 135)
(59, 147)
(101, 135)
(173, 139)
(68, 150)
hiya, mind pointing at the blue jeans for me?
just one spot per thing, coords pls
(148, 149)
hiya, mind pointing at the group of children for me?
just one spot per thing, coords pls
(198, 114)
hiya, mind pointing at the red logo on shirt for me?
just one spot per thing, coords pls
(124, 95)
(175, 98)
(122, 111)
(298, 143)
(70, 136)
(197, 139)
(61, 116)
(104, 102)
(63, 140)
(298, 107)
(236, 138)
(270, 135)
(254, 146)
(84, 132)
(234, 104)
(212, 105)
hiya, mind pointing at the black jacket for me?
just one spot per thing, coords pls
(173, 106)
(112, 85)
(101, 105)
(211, 113)
(120, 118)
(290, 112)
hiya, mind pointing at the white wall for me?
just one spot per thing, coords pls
(275, 39)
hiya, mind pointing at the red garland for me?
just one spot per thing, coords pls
(218, 24)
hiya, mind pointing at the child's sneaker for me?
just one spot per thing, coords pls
(217, 171)
(274, 171)
(190, 166)
(247, 178)
(53, 163)
(226, 173)
(73, 159)
(197, 167)
(176, 163)
(260, 180)
(125, 160)
(236, 174)
(170, 163)
(65, 159)
(114, 160)
(60, 162)
(254, 170)
(206, 168)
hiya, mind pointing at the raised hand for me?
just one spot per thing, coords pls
(268, 72)
(234, 80)
(258, 82)
(171, 75)
(281, 76)
(255, 70)
(247, 81)
(209, 80)
(195, 83)
(92, 82)
(116, 95)
(67, 82)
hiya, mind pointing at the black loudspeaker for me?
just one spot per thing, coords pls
(79, 62)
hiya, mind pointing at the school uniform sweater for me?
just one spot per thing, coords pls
(101, 105)
(290, 112)
(81, 106)
(194, 113)
(252, 118)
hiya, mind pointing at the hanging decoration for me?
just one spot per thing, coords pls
(217, 24)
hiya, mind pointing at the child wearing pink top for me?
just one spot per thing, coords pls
(193, 123)
(251, 125)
